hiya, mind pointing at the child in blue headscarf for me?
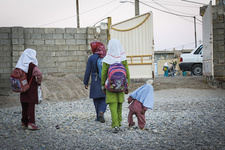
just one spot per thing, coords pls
(142, 99)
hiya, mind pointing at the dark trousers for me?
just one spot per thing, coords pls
(28, 113)
(100, 106)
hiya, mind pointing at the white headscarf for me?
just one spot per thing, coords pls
(115, 53)
(166, 64)
(144, 94)
(28, 56)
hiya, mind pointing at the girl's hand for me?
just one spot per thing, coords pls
(103, 90)
(127, 91)
(86, 86)
(143, 111)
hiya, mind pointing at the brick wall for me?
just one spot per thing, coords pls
(219, 41)
(59, 50)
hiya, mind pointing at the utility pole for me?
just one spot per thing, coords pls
(195, 31)
(136, 7)
(78, 19)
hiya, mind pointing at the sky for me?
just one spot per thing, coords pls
(170, 31)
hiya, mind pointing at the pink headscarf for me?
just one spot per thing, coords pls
(98, 48)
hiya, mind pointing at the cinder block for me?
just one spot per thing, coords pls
(39, 30)
(49, 30)
(70, 42)
(80, 36)
(82, 30)
(71, 30)
(50, 53)
(61, 53)
(47, 36)
(5, 30)
(17, 35)
(90, 30)
(51, 70)
(39, 42)
(74, 47)
(58, 36)
(60, 30)
(28, 30)
(69, 36)
(61, 64)
(51, 59)
(63, 47)
(7, 59)
(71, 64)
(60, 42)
(81, 64)
(17, 29)
(82, 58)
(80, 42)
(4, 35)
(71, 53)
(7, 70)
(53, 47)
(49, 42)
(27, 35)
(35, 36)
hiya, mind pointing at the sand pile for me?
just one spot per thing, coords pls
(57, 87)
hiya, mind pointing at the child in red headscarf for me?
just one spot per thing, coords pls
(96, 93)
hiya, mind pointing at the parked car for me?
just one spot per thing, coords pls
(192, 61)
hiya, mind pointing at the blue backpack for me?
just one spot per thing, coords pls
(99, 65)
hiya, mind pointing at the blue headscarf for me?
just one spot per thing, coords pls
(144, 94)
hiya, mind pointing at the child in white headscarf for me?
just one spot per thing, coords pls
(29, 64)
(142, 99)
(165, 69)
(115, 100)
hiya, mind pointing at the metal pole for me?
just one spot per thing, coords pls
(195, 31)
(136, 7)
(109, 25)
(78, 20)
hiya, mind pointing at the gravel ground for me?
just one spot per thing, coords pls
(182, 118)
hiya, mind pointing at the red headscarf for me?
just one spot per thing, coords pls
(98, 48)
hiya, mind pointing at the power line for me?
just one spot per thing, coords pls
(107, 14)
(76, 15)
(170, 10)
(164, 10)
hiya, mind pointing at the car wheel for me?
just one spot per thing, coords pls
(197, 70)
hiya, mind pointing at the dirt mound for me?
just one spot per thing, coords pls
(63, 87)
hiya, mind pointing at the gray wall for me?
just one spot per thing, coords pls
(219, 41)
(59, 50)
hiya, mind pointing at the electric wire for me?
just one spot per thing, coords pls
(107, 15)
(76, 15)
(171, 11)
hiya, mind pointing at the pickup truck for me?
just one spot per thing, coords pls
(192, 61)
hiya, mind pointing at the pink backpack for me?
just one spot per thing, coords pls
(117, 78)
(19, 80)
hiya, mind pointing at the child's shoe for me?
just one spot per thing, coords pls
(116, 129)
(24, 125)
(131, 125)
(32, 126)
(101, 117)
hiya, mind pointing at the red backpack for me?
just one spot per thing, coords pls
(19, 80)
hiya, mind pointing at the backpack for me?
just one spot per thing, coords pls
(99, 65)
(117, 78)
(19, 80)
(165, 68)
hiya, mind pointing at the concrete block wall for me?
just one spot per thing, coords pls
(59, 50)
(5, 59)
(219, 41)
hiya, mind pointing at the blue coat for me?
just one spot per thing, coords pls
(91, 69)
